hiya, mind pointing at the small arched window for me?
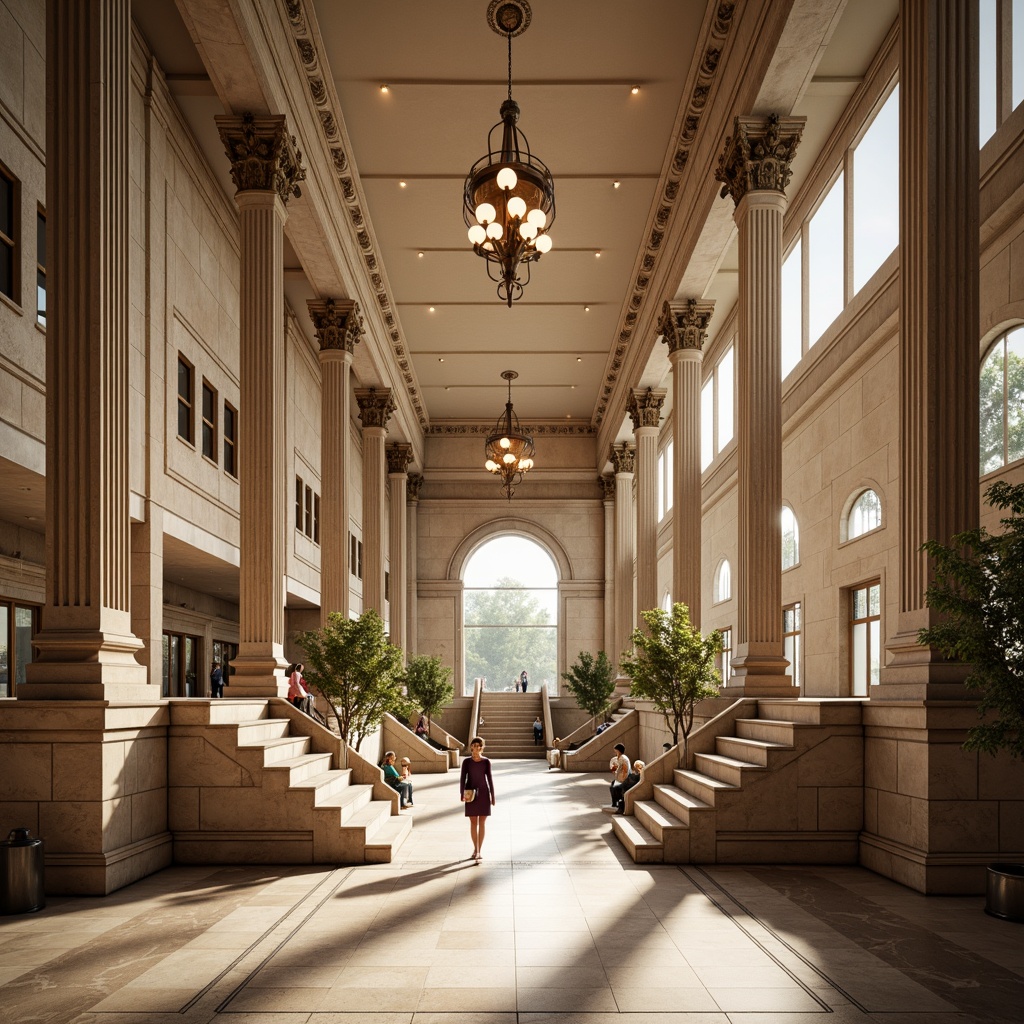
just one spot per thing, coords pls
(790, 539)
(1001, 402)
(723, 581)
(865, 515)
(666, 603)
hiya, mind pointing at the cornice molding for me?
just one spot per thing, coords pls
(533, 429)
(712, 46)
(328, 110)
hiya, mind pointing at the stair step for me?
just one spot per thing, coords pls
(642, 846)
(725, 769)
(704, 787)
(655, 818)
(330, 787)
(277, 750)
(754, 751)
(679, 802)
(767, 729)
(387, 839)
(251, 733)
(295, 770)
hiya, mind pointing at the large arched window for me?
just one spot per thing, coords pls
(865, 515)
(510, 615)
(790, 539)
(723, 581)
(1002, 402)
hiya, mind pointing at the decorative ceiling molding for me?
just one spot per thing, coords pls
(485, 429)
(325, 99)
(719, 29)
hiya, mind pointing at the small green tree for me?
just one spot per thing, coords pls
(979, 589)
(673, 665)
(591, 681)
(429, 684)
(359, 673)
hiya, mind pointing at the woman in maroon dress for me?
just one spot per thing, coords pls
(477, 789)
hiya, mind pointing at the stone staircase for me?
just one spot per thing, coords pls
(258, 782)
(508, 724)
(783, 785)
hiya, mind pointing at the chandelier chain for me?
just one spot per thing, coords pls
(510, 65)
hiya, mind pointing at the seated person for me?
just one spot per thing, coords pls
(421, 726)
(631, 780)
(394, 780)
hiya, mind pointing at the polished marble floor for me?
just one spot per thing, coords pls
(555, 924)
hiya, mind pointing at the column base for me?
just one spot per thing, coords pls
(87, 664)
(257, 676)
(918, 673)
(761, 686)
(759, 672)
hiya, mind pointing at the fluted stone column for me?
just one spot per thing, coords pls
(607, 482)
(86, 646)
(623, 459)
(755, 168)
(938, 340)
(684, 328)
(414, 482)
(375, 408)
(338, 327)
(265, 169)
(645, 411)
(398, 456)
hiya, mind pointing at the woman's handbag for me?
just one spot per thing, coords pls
(468, 796)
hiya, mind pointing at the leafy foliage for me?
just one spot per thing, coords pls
(507, 630)
(979, 589)
(359, 673)
(591, 681)
(673, 665)
(429, 684)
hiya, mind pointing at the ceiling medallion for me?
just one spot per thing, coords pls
(509, 196)
(509, 451)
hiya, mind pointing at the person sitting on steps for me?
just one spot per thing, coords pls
(394, 780)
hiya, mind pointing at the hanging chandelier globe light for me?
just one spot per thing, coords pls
(509, 451)
(509, 196)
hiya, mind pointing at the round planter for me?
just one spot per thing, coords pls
(1004, 891)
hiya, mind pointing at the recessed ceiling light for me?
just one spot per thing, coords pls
(572, 387)
(420, 255)
(597, 254)
(586, 309)
(384, 87)
(634, 90)
(579, 359)
(447, 389)
(616, 184)
(402, 184)
(440, 359)
(430, 309)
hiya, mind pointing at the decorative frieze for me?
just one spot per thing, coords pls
(398, 455)
(684, 325)
(758, 155)
(337, 323)
(375, 406)
(644, 407)
(623, 457)
(533, 429)
(264, 157)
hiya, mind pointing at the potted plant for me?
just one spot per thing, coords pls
(673, 665)
(591, 681)
(978, 587)
(351, 662)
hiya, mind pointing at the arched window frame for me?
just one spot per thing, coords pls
(790, 552)
(1007, 346)
(723, 574)
(850, 510)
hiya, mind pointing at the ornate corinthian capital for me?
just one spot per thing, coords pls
(758, 155)
(644, 407)
(263, 156)
(399, 455)
(337, 323)
(413, 486)
(607, 482)
(375, 406)
(623, 457)
(685, 324)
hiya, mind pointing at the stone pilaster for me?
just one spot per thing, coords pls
(684, 328)
(398, 458)
(607, 482)
(645, 411)
(148, 591)
(86, 646)
(413, 485)
(265, 169)
(755, 170)
(375, 408)
(623, 459)
(938, 340)
(338, 327)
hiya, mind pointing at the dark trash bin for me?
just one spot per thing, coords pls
(21, 873)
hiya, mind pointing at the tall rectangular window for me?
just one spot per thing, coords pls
(724, 388)
(230, 440)
(186, 426)
(8, 235)
(40, 268)
(988, 73)
(1000, 63)
(300, 494)
(792, 309)
(307, 526)
(316, 519)
(865, 637)
(876, 192)
(209, 422)
(665, 481)
(707, 424)
(825, 273)
(791, 628)
(724, 660)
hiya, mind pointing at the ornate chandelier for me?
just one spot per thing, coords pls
(509, 451)
(509, 195)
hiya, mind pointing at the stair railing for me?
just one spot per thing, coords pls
(545, 716)
(474, 715)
